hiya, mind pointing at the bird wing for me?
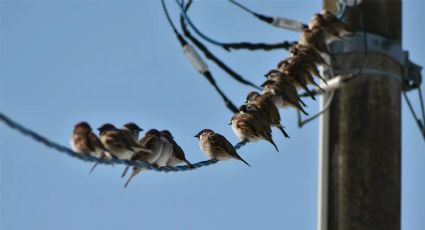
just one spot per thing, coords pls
(221, 143)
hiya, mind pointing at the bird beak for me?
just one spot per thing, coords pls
(265, 75)
(197, 136)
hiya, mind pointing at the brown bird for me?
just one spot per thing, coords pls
(150, 141)
(290, 69)
(216, 146)
(249, 126)
(283, 91)
(314, 38)
(303, 66)
(298, 49)
(178, 156)
(117, 143)
(85, 142)
(342, 28)
(133, 130)
(264, 104)
(319, 22)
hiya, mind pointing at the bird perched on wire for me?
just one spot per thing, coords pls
(85, 142)
(150, 141)
(132, 129)
(316, 39)
(298, 49)
(249, 126)
(310, 59)
(178, 156)
(297, 76)
(283, 91)
(166, 152)
(264, 105)
(117, 143)
(217, 147)
(340, 26)
(301, 68)
(329, 27)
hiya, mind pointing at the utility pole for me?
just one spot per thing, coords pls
(362, 153)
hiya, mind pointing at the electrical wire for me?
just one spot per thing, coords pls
(283, 23)
(198, 62)
(210, 55)
(88, 158)
(419, 123)
(228, 46)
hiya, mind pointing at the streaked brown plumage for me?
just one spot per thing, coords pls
(342, 28)
(283, 91)
(85, 142)
(298, 49)
(118, 144)
(290, 68)
(249, 126)
(132, 129)
(216, 146)
(267, 109)
(150, 141)
(314, 38)
(178, 156)
(319, 22)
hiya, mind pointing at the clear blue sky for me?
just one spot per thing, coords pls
(118, 61)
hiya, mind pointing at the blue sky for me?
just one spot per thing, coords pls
(117, 61)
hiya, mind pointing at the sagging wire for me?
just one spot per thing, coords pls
(210, 55)
(279, 22)
(88, 158)
(237, 45)
(419, 122)
(197, 61)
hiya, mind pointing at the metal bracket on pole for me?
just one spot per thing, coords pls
(411, 76)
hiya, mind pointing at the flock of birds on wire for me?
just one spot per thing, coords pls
(251, 123)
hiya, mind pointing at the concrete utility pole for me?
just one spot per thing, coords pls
(364, 127)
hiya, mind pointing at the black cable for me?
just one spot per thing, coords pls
(237, 45)
(264, 18)
(207, 74)
(210, 55)
(418, 121)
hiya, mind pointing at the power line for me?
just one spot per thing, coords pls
(88, 158)
(237, 45)
(197, 61)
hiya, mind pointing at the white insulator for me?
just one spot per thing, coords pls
(195, 58)
(287, 24)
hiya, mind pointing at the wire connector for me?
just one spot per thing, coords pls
(195, 59)
(288, 24)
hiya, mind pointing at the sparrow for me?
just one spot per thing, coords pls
(341, 27)
(117, 143)
(298, 49)
(131, 129)
(152, 142)
(297, 75)
(316, 39)
(177, 156)
(249, 126)
(84, 141)
(283, 91)
(303, 69)
(319, 22)
(216, 146)
(264, 104)
(166, 152)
